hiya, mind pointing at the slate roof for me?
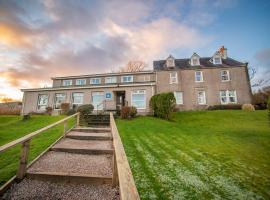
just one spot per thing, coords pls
(204, 63)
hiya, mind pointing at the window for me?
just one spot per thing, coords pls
(95, 81)
(178, 97)
(138, 99)
(112, 79)
(42, 101)
(225, 75)
(173, 78)
(127, 79)
(227, 97)
(170, 62)
(195, 61)
(67, 82)
(217, 60)
(80, 81)
(77, 98)
(97, 99)
(58, 99)
(201, 98)
(198, 76)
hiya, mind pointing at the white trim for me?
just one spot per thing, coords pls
(91, 79)
(176, 78)
(204, 97)
(228, 73)
(131, 80)
(182, 98)
(227, 97)
(72, 99)
(88, 87)
(48, 96)
(69, 80)
(104, 75)
(83, 79)
(111, 78)
(201, 75)
(144, 99)
(54, 99)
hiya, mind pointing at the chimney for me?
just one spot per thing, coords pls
(223, 52)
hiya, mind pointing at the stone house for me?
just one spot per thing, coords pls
(197, 83)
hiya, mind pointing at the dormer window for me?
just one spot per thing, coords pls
(216, 59)
(170, 62)
(195, 60)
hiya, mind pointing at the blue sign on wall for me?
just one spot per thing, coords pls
(108, 95)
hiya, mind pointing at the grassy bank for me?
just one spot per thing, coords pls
(200, 155)
(12, 128)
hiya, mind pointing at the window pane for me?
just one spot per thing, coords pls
(97, 99)
(59, 98)
(178, 97)
(42, 101)
(138, 99)
(77, 98)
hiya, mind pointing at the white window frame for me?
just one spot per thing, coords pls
(111, 79)
(128, 81)
(219, 62)
(80, 82)
(180, 102)
(64, 82)
(227, 96)
(100, 93)
(226, 75)
(203, 102)
(38, 102)
(72, 98)
(55, 103)
(134, 92)
(93, 81)
(196, 60)
(173, 78)
(201, 76)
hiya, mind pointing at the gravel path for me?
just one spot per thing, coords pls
(84, 144)
(43, 190)
(78, 133)
(63, 162)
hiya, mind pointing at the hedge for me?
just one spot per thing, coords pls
(163, 104)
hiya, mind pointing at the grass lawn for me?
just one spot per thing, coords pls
(201, 155)
(12, 128)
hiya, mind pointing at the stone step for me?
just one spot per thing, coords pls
(84, 146)
(88, 135)
(93, 129)
(70, 178)
(72, 167)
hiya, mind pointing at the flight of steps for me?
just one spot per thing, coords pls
(84, 155)
(95, 120)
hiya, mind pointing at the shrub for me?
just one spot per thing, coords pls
(85, 109)
(49, 110)
(125, 112)
(26, 117)
(259, 99)
(71, 112)
(163, 105)
(10, 111)
(268, 107)
(133, 111)
(226, 107)
(64, 108)
(248, 107)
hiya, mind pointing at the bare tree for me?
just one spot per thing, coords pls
(133, 66)
(6, 100)
(257, 82)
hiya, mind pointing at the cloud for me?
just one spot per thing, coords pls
(56, 38)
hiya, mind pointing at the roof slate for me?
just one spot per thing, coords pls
(204, 63)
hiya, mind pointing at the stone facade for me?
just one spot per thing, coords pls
(179, 76)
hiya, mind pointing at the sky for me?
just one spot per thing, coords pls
(43, 39)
